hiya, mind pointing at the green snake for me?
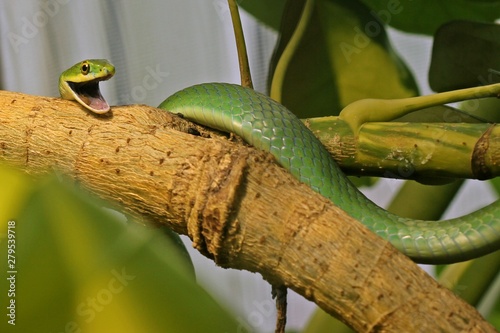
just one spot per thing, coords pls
(271, 127)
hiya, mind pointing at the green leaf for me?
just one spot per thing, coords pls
(424, 17)
(495, 182)
(364, 181)
(332, 53)
(471, 280)
(494, 316)
(427, 202)
(268, 12)
(16, 188)
(441, 114)
(465, 54)
(486, 108)
(78, 267)
(323, 322)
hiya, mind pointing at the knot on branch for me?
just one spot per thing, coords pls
(211, 218)
(479, 165)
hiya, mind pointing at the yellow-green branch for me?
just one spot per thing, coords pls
(419, 151)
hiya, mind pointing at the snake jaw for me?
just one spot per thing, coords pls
(89, 95)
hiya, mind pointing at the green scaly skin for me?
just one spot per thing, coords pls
(81, 83)
(269, 126)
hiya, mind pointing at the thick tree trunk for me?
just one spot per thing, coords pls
(238, 206)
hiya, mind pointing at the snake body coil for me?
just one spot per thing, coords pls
(269, 126)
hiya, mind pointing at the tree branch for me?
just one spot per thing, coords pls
(418, 151)
(238, 206)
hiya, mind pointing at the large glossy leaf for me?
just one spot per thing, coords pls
(465, 54)
(266, 11)
(79, 269)
(300, 73)
(424, 17)
(332, 53)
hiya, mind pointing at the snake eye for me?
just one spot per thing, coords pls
(85, 68)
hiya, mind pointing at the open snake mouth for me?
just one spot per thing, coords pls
(90, 95)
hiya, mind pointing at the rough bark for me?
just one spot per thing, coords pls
(238, 206)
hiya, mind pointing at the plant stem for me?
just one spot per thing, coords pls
(246, 78)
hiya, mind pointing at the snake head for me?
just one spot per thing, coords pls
(81, 83)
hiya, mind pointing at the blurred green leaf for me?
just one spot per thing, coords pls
(485, 108)
(441, 114)
(78, 267)
(332, 53)
(471, 280)
(268, 12)
(424, 17)
(494, 316)
(465, 54)
(15, 191)
(299, 73)
(323, 322)
(427, 202)
(495, 182)
(364, 181)
(474, 281)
